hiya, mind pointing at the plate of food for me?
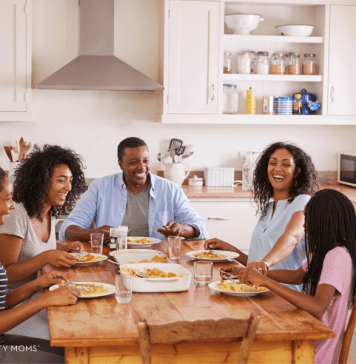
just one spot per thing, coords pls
(141, 242)
(143, 256)
(90, 289)
(212, 255)
(234, 288)
(87, 259)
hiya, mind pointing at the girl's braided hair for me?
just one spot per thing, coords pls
(330, 218)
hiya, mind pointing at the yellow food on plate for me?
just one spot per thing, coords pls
(238, 287)
(209, 255)
(92, 290)
(89, 258)
(151, 272)
(155, 259)
(139, 241)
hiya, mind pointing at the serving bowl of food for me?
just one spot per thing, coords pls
(140, 256)
(242, 23)
(295, 30)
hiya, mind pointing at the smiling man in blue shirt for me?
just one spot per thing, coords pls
(149, 205)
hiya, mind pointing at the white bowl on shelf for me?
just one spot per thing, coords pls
(295, 30)
(242, 23)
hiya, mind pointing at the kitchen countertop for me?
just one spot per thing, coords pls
(236, 192)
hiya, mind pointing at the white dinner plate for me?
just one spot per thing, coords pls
(136, 256)
(87, 264)
(229, 255)
(111, 289)
(212, 285)
(131, 242)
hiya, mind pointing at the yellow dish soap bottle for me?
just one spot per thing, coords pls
(251, 102)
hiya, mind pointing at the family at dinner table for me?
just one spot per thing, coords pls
(305, 239)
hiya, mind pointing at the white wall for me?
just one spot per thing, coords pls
(93, 123)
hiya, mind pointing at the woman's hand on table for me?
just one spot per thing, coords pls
(50, 279)
(59, 258)
(252, 277)
(62, 296)
(260, 266)
(216, 244)
(70, 246)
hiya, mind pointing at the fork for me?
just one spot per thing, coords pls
(85, 286)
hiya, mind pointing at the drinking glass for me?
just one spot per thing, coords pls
(203, 273)
(174, 243)
(97, 241)
(123, 284)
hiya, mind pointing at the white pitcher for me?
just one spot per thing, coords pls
(176, 173)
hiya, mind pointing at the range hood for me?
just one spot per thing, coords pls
(96, 67)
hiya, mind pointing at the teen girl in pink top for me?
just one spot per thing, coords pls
(328, 276)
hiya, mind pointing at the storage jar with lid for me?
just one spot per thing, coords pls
(294, 66)
(244, 63)
(227, 62)
(262, 63)
(279, 63)
(310, 66)
(231, 99)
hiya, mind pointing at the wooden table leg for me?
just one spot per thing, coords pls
(76, 355)
(303, 351)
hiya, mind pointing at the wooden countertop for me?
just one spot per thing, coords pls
(236, 192)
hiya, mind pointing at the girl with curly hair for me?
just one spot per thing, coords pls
(49, 180)
(283, 182)
(11, 313)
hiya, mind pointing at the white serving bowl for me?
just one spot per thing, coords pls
(242, 23)
(295, 30)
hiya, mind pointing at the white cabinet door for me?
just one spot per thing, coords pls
(14, 59)
(193, 57)
(229, 220)
(342, 60)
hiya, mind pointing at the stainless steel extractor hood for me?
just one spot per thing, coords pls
(96, 67)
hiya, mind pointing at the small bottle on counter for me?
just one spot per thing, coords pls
(122, 237)
(114, 232)
(297, 104)
(247, 173)
(227, 62)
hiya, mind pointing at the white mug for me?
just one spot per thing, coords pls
(11, 167)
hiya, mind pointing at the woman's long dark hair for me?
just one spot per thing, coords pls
(305, 183)
(33, 178)
(330, 218)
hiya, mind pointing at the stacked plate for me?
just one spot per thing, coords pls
(283, 105)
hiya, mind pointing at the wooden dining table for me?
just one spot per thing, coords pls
(101, 330)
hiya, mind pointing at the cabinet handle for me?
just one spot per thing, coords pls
(218, 218)
(332, 94)
(213, 92)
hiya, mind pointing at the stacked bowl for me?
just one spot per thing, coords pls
(283, 105)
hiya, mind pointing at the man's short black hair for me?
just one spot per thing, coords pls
(131, 142)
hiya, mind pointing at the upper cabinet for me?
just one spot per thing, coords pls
(193, 57)
(342, 61)
(196, 39)
(15, 60)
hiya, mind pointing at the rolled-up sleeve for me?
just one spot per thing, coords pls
(84, 212)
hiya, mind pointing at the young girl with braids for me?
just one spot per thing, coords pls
(328, 275)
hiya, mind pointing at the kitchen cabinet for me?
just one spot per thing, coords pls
(15, 60)
(342, 69)
(229, 219)
(193, 57)
(180, 76)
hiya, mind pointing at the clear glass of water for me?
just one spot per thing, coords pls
(174, 243)
(97, 241)
(123, 284)
(203, 273)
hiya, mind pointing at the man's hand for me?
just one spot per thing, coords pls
(172, 228)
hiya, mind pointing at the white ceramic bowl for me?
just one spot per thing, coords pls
(295, 30)
(242, 23)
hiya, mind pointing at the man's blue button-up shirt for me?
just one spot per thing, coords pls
(106, 200)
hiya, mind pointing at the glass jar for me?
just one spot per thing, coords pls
(294, 66)
(262, 63)
(231, 99)
(227, 62)
(310, 66)
(244, 63)
(279, 63)
(297, 104)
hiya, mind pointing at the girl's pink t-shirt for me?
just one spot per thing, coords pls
(337, 272)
